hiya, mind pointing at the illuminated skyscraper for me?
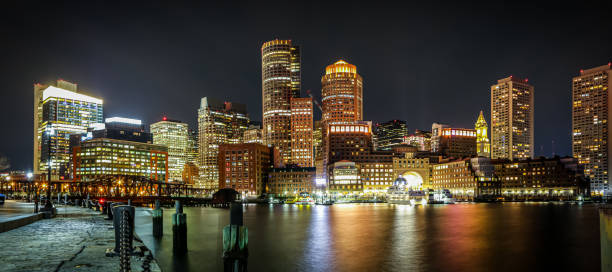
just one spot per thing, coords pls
(390, 134)
(483, 147)
(280, 81)
(218, 123)
(301, 132)
(175, 136)
(59, 111)
(342, 94)
(511, 119)
(591, 117)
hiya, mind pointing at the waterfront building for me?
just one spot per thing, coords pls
(291, 181)
(436, 133)
(591, 126)
(420, 139)
(344, 178)
(389, 134)
(541, 179)
(301, 132)
(281, 79)
(175, 136)
(457, 142)
(111, 157)
(353, 143)
(512, 127)
(121, 128)
(244, 167)
(416, 170)
(218, 123)
(483, 147)
(467, 179)
(376, 177)
(253, 135)
(60, 110)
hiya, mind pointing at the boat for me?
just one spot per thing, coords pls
(440, 197)
(290, 201)
(305, 199)
(398, 192)
(401, 193)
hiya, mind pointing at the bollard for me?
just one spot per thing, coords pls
(77, 202)
(129, 202)
(235, 242)
(87, 202)
(179, 229)
(36, 206)
(65, 199)
(58, 198)
(123, 223)
(109, 213)
(605, 234)
(158, 220)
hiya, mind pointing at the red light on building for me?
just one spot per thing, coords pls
(581, 71)
(165, 118)
(526, 80)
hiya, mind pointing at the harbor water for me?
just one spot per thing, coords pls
(383, 237)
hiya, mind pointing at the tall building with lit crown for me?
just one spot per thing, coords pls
(591, 116)
(59, 111)
(175, 136)
(512, 119)
(301, 132)
(280, 81)
(218, 123)
(342, 94)
(483, 147)
(390, 134)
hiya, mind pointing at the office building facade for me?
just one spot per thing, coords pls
(591, 117)
(102, 157)
(390, 134)
(218, 123)
(281, 80)
(512, 124)
(175, 136)
(301, 132)
(244, 167)
(59, 111)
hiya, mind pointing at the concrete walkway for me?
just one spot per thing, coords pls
(75, 240)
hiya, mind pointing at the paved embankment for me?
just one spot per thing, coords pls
(75, 240)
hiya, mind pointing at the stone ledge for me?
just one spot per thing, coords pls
(19, 221)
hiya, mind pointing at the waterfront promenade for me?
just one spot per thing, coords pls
(75, 240)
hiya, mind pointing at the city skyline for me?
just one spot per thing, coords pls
(409, 91)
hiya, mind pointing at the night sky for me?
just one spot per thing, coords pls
(421, 62)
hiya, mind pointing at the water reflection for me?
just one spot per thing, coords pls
(381, 237)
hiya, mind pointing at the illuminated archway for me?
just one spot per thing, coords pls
(414, 180)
